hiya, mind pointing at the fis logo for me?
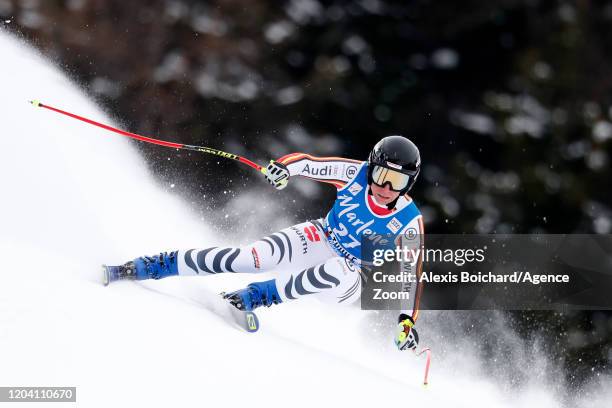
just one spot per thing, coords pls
(355, 188)
(394, 225)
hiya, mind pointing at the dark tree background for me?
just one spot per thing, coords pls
(509, 101)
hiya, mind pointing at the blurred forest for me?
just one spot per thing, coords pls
(509, 101)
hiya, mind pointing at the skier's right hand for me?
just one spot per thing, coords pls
(406, 337)
(277, 174)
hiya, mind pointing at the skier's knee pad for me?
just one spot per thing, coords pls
(338, 268)
(349, 282)
(332, 280)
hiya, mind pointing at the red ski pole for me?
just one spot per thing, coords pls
(427, 352)
(201, 149)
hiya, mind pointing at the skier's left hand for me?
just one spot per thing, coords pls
(406, 337)
(277, 174)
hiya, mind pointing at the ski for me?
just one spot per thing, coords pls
(216, 303)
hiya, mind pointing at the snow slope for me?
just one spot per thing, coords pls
(74, 197)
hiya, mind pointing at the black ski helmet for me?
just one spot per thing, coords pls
(397, 153)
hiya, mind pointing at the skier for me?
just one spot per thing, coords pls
(320, 257)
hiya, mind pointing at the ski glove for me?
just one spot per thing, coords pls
(277, 174)
(406, 337)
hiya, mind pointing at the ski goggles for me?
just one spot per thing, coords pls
(382, 175)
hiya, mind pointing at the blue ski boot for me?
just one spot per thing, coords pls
(146, 267)
(254, 295)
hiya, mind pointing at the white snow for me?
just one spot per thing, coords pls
(74, 197)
